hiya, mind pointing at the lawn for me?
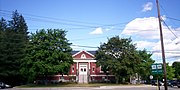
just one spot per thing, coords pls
(69, 85)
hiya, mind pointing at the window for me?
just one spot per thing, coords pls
(101, 70)
(72, 69)
(93, 69)
(83, 56)
(84, 69)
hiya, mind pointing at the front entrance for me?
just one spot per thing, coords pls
(83, 73)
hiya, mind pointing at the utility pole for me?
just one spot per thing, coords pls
(162, 46)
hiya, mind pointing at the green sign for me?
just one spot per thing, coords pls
(157, 68)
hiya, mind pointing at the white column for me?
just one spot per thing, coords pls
(77, 72)
(89, 72)
(89, 65)
(77, 65)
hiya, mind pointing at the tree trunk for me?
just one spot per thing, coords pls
(138, 78)
(46, 79)
(130, 79)
(117, 79)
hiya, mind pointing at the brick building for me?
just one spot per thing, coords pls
(83, 70)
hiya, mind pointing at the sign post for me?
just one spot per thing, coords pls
(157, 69)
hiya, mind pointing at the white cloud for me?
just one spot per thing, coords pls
(171, 47)
(171, 62)
(110, 28)
(142, 27)
(97, 31)
(144, 44)
(147, 30)
(147, 7)
(147, 27)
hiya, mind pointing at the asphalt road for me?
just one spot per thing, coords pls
(144, 87)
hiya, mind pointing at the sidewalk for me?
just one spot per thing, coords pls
(125, 86)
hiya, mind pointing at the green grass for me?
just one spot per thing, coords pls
(70, 85)
(61, 85)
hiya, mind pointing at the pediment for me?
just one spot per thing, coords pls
(83, 55)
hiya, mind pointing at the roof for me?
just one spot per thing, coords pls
(74, 52)
(91, 52)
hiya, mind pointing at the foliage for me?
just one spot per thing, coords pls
(119, 56)
(48, 53)
(170, 72)
(176, 66)
(13, 41)
(144, 68)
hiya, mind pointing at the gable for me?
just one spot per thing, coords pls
(83, 55)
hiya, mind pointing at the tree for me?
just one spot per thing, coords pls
(119, 56)
(144, 67)
(170, 72)
(176, 66)
(3, 26)
(48, 53)
(15, 39)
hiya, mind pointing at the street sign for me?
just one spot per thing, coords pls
(156, 68)
(151, 76)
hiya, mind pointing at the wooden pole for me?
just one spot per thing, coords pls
(162, 46)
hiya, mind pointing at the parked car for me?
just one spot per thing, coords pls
(7, 86)
(172, 83)
(2, 85)
(178, 83)
(154, 82)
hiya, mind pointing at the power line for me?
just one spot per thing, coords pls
(78, 26)
(56, 21)
(167, 14)
(169, 28)
(173, 18)
(66, 20)
(169, 18)
(91, 38)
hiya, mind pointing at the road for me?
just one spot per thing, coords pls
(143, 87)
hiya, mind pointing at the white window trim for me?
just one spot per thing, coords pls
(93, 67)
(72, 69)
(101, 70)
(83, 56)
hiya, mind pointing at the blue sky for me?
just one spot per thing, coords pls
(91, 22)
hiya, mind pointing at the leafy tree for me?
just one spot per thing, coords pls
(176, 66)
(170, 72)
(3, 26)
(144, 68)
(119, 56)
(15, 40)
(48, 53)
